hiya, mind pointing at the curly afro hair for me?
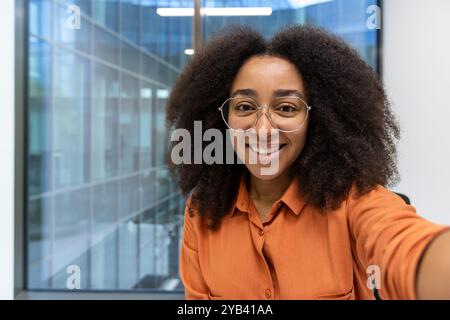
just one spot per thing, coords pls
(352, 132)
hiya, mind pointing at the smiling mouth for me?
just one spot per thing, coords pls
(266, 151)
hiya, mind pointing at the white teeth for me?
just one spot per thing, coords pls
(262, 150)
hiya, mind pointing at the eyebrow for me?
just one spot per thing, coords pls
(277, 93)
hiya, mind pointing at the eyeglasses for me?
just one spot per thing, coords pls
(287, 114)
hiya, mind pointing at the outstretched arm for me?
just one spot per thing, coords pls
(433, 275)
(389, 234)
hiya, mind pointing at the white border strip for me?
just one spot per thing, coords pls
(7, 15)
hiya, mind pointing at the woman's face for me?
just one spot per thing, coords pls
(263, 79)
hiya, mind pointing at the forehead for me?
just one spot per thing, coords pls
(268, 73)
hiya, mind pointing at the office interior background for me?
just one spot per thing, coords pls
(93, 194)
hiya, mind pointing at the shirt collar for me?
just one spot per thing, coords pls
(242, 200)
(292, 198)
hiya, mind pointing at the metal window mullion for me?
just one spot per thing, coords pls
(140, 193)
(52, 146)
(197, 26)
(89, 250)
(119, 162)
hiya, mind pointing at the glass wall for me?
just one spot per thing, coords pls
(102, 210)
(347, 18)
(100, 198)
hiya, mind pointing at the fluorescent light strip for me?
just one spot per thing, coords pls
(175, 12)
(239, 11)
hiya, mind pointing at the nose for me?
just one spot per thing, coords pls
(263, 121)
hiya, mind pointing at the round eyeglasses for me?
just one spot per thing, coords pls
(287, 114)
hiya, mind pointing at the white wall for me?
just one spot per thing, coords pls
(7, 150)
(417, 79)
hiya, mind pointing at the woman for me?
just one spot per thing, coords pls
(323, 225)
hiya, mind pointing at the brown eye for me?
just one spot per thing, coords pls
(286, 108)
(244, 107)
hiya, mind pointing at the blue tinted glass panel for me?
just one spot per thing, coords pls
(96, 99)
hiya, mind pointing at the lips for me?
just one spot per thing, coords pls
(265, 150)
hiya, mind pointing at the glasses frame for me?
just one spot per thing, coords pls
(268, 114)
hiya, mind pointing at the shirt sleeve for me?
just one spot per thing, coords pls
(190, 272)
(390, 235)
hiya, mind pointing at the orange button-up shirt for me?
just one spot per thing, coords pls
(300, 253)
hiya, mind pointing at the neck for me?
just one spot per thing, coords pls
(268, 190)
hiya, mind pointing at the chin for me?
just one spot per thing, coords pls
(264, 172)
(270, 163)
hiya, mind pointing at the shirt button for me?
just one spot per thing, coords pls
(261, 232)
(268, 293)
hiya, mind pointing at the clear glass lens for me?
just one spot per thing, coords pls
(285, 114)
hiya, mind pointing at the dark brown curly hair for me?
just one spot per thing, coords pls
(351, 133)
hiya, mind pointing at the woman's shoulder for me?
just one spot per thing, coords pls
(373, 194)
(377, 205)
